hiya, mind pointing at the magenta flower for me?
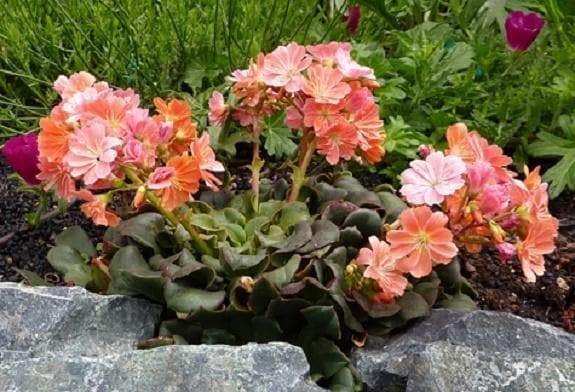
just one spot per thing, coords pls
(429, 181)
(522, 28)
(21, 153)
(506, 251)
(353, 18)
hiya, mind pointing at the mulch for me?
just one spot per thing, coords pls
(500, 286)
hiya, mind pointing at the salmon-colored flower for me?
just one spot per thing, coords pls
(202, 152)
(350, 69)
(422, 241)
(53, 139)
(325, 85)
(381, 267)
(54, 176)
(284, 66)
(92, 153)
(294, 114)
(337, 142)
(95, 208)
(321, 115)
(175, 111)
(472, 148)
(76, 83)
(325, 53)
(112, 110)
(249, 83)
(177, 181)
(218, 110)
(538, 242)
(429, 181)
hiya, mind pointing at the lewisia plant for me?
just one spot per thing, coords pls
(98, 142)
(326, 96)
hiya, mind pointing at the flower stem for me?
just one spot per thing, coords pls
(299, 172)
(201, 245)
(256, 165)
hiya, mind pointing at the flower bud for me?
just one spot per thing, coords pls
(522, 28)
(497, 232)
(21, 153)
(506, 251)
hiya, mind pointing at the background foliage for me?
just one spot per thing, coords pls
(439, 61)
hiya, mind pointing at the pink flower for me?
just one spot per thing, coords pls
(133, 151)
(337, 142)
(202, 151)
(56, 177)
(294, 116)
(359, 99)
(161, 178)
(112, 109)
(325, 53)
(494, 198)
(76, 83)
(21, 153)
(506, 251)
(92, 153)
(381, 267)
(351, 69)
(321, 115)
(478, 175)
(325, 84)
(218, 112)
(283, 67)
(429, 181)
(511, 222)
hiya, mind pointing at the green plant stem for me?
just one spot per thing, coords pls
(201, 245)
(299, 176)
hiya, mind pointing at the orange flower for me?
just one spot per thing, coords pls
(53, 140)
(185, 133)
(55, 177)
(538, 242)
(176, 110)
(458, 142)
(95, 208)
(422, 241)
(176, 181)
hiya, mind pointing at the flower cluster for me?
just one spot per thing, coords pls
(323, 92)
(98, 140)
(478, 201)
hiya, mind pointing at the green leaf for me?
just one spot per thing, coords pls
(76, 238)
(265, 330)
(324, 233)
(326, 358)
(460, 302)
(32, 278)
(292, 214)
(272, 238)
(392, 205)
(283, 275)
(69, 262)
(413, 306)
(185, 269)
(376, 309)
(144, 228)
(262, 293)
(278, 139)
(322, 321)
(183, 299)
(217, 336)
(368, 222)
(301, 235)
(131, 275)
(236, 264)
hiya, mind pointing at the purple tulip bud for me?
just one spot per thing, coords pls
(522, 28)
(353, 17)
(21, 153)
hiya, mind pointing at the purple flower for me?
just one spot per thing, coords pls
(522, 28)
(353, 17)
(21, 153)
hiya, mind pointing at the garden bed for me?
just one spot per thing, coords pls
(551, 299)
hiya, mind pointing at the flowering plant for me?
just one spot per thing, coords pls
(320, 264)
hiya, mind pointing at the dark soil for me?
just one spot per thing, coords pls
(28, 246)
(500, 286)
(552, 298)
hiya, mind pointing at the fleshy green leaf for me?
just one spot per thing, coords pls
(143, 228)
(183, 299)
(283, 275)
(69, 262)
(76, 238)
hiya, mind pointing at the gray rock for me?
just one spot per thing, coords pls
(274, 367)
(477, 351)
(38, 321)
